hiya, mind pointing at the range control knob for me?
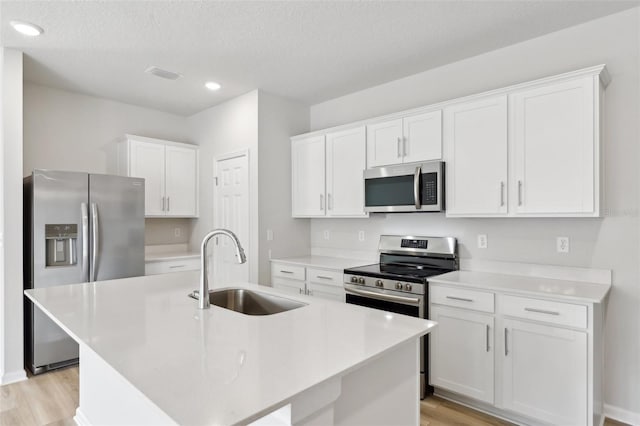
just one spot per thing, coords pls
(379, 283)
(399, 286)
(407, 287)
(361, 280)
(354, 279)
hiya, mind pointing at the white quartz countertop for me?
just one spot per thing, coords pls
(526, 285)
(217, 366)
(323, 262)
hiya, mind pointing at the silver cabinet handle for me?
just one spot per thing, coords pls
(381, 296)
(300, 290)
(488, 338)
(321, 202)
(95, 223)
(322, 277)
(329, 202)
(405, 147)
(462, 299)
(541, 311)
(519, 192)
(416, 187)
(506, 346)
(85, 241)
(310, 292)
(168, 204)
(501, 194)
(399, 149)
(176, 266)
(286, 272)
(163, 204)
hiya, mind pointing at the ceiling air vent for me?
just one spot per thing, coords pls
(159, 72)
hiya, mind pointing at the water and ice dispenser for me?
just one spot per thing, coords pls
(61, 241)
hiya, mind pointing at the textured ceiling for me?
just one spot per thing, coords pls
(309, 51)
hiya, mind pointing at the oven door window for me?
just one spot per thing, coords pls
(389, 191)
(398, 308)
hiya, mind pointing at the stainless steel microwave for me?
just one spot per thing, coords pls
(414, 187)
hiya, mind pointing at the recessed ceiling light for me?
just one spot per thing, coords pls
(212, 85)
(26, 28)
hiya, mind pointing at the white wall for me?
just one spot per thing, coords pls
(11, 320)
(70, 131)
(611, 242)
(227, 128)
(278, 119)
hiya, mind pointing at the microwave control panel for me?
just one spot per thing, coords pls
(429, 188)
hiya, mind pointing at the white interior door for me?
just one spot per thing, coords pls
(231, 211)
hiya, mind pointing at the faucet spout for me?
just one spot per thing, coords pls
(203, 297)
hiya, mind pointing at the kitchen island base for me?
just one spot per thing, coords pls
(382, 391)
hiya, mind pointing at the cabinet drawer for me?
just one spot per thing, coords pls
(164, 267)
(287, 271)
(322, 276)
(461, 298)
(552, 312)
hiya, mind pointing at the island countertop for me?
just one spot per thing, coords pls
(217, 366)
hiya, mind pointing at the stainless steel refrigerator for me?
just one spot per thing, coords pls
(78, 227)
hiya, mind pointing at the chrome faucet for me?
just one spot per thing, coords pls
(203, 296)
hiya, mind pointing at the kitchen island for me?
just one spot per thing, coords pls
(149, 356)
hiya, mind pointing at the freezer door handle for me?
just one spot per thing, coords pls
(96, 241)
(85, 240)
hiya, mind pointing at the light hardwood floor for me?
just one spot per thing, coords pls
(51, 399)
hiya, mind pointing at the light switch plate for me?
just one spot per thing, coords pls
(482, 241)
(269, 234)
(360, 235)
(325, 234)
(177, 232)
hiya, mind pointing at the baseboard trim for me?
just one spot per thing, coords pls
(621, 415)
(80, 418)
(14, 376)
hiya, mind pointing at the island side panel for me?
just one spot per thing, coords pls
(106, 398)
(385, 391)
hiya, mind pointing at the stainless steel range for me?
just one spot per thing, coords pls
(398, 283)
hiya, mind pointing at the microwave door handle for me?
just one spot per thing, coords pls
(416, 187)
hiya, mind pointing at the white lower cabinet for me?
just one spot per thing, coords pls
(322, 283)
(462, 352)
(533, 367)
(175, 265)
(544, 372)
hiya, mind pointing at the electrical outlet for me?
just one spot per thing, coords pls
(482, 241)
(269, 234)
(177, 232)
(325, 234)
(562, 244)
(360, 235)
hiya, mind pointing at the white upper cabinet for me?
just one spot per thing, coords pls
(307, 166)
(475, 135)
(170, 171)
(405, 140)
(327, 177)
(345, 166)
(555, 149)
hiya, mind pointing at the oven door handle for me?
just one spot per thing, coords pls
(416, 187)
(386, 297)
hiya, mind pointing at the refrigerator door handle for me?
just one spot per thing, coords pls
(85, 241)
(96, 241)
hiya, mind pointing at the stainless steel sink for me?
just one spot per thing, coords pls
(250, 302)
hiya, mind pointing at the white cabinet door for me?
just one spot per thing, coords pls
(461, 352)
(147, 161)
(384, 143)
(308, 177)
(346, 161)
(181, 181)
(288, 286)
(422, 137)
(476, 140)
(553, 131)
(327, 291)
(545, 372)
